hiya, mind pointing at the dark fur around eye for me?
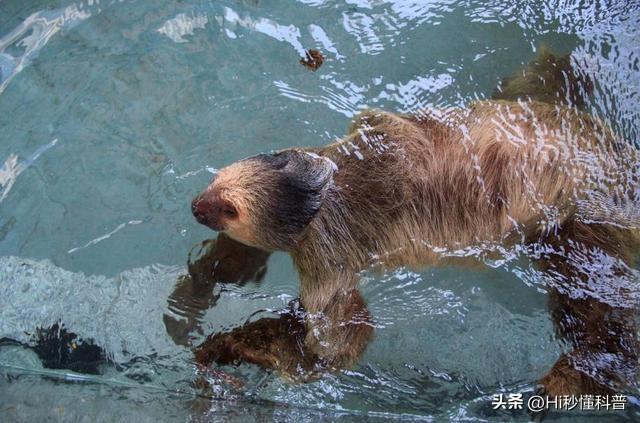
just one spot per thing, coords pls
(297, 203)
(275, 161)
(296, 195)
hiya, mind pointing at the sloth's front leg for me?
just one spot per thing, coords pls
(300, 346)
(339, 327)
(272, 343)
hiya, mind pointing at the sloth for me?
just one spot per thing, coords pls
(409, 190)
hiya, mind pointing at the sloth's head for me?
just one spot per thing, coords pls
(266, 201)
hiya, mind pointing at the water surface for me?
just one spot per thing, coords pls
(114, 114)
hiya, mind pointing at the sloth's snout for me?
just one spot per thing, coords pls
(206, 212)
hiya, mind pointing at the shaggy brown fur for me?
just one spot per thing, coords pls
(416, 190)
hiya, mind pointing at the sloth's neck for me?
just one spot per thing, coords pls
(334, 237)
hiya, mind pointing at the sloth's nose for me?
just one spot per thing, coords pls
(199, 208)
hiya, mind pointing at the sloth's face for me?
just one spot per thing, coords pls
(265, 201)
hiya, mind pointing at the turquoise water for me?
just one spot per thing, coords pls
(113, 115)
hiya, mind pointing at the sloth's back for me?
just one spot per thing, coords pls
(457, 177)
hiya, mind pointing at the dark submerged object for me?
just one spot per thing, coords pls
(59, 348)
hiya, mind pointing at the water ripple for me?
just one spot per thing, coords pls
(11, 169)
(181, 25)
(31, 36)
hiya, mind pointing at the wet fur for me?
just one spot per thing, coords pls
(405, 190)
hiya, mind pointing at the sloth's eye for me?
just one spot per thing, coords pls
(230, 211)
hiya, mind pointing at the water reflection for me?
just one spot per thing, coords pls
(214, 261)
